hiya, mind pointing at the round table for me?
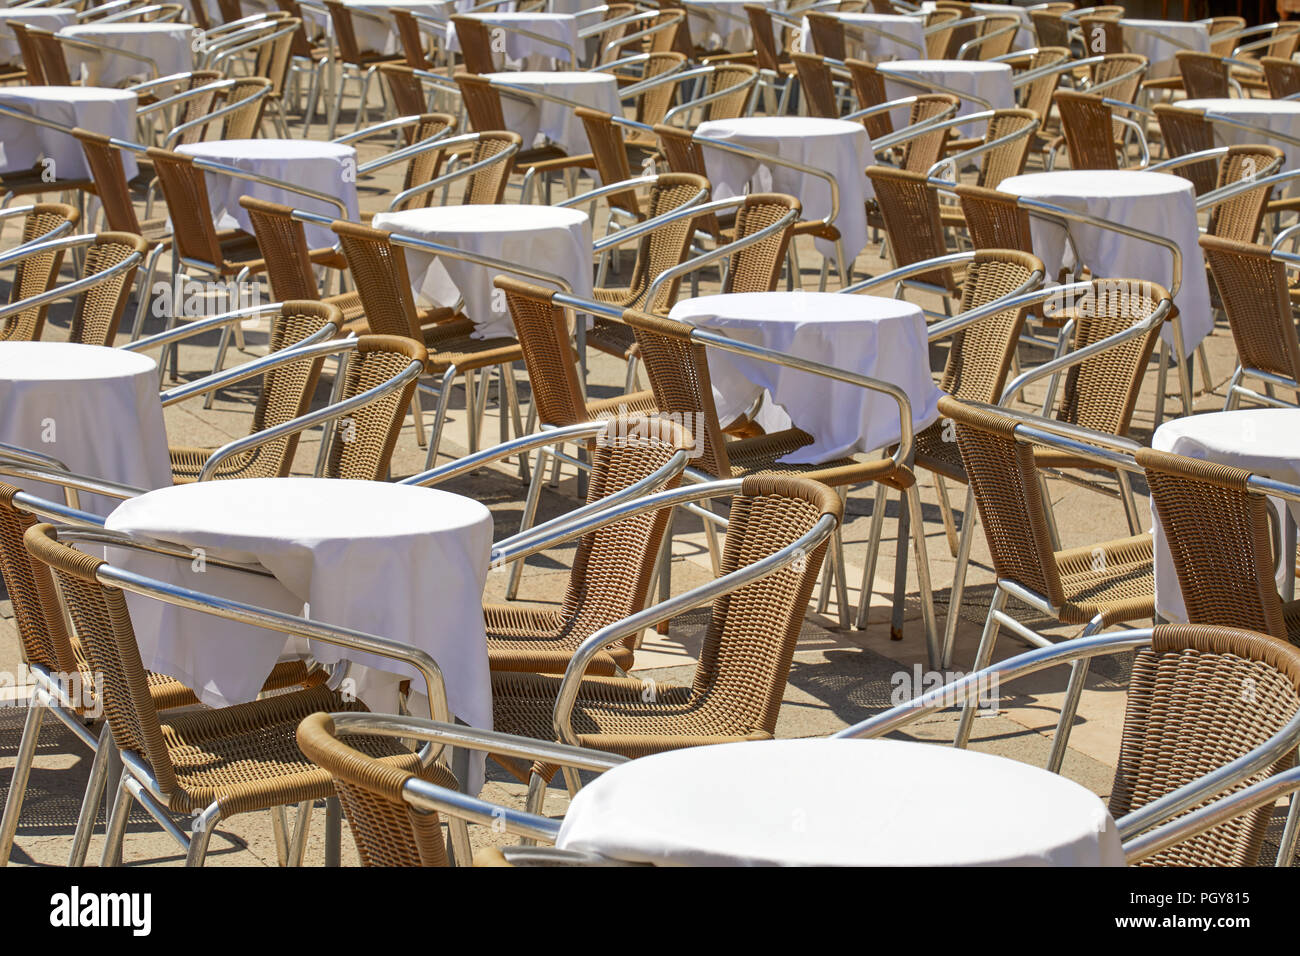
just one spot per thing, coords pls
(991, 82)
(547, 238)
(95, 409)
(22, 144)
(1264, 441)
(839, 803)
(169, 45)
(1161, 40)
(328, 168)
(43, 19)
(888, 37)
(556, 121)
(1153, 202)
(1280, 115)
(841, 148)
(397, 561)
(562, 28)
(879, 337)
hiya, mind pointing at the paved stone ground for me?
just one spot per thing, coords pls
(838, 676)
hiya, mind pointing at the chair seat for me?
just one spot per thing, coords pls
(451, 343)
(1113, 579)
(187, 464)
(246, 757)
(758, 456)
(933, 453)
(540, 639)
(612, 338)
(30, 182)
(613, 714)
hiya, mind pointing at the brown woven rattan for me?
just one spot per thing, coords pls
(363, 443)
(544, 333)
(482, 102)
(388, 831)
(909, 212)
(816, 85)
(609, 153)
(475, 39)
(1222, 42)
(1242, 216)
(37, 273)
(768, 54)
(241, 758)
(286, 393)
(1102, 35)
(1050, 28)
(994, 219)
(979, 356)
(1187, 716)
(53, 62)
(99, 308)
(612, 567)
(1218, 534)
(1205, 75)
(744, 662)
(409, 98)
(1086, 122)
(869, 88)
(1253, 290)
(1282, 76)
(936, 43)
(415, 46)
(290, 264)
(1111, 580)
(923, 151)
(1183, 132)
(827, 35)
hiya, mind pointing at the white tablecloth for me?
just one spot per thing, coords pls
(397, 561)
(532, 53)
(377, 35)
(169, 45)
(22, 144)
(545, 238)
(1154, 202)
(43, 19)
(95, 409)
(989, 81)
(839, 147)
(878, 337)
(327, 168)
(839, 802)
(723, 24)
(1280, 115)
(899, 37)
(1265, 441)
(556, 121)
(1159, 50)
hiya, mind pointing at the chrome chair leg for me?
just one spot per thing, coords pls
(333, 832)
(104, 754)
(982, 658)
(116, 830)
(1070, 705)
(22, 771)
(873, 551)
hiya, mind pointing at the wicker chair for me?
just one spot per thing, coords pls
(1051, 29)
(49, 650)
(609, 153)
(99, 308)
(1205, 76)
(679, 375)
(1218, 533)
(1184, 132)
(1282, 76)
(827, 33)
(415, 45)
(51, 64)
(994, 220)
(869, 90)
(217, 763)
(475, 39)
(659, 250)
(938, 35)
(817, 85)
(291, 264)
(1095, 586)
(380, 275)
(36, 274)
(770, 57)
(1223, 31)
(1253, 289)
(286, 393)
(483, 107)
(1102, 35)
(1241, 217)
(361, 448)
(409, 96)
(998, 162)
(612, 569)
(744, 662)
(1086, 122)
(909, 212)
